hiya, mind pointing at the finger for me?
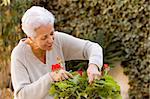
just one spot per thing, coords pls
(58, 77)
(65, 76)
(97, 76)
(54, 76)
(100, 75)
(88, 73)
(91, 78)
(62, 77)
(69, 74)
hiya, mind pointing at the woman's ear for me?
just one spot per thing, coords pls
(31, 39)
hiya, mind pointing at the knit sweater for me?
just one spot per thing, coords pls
(30, 76)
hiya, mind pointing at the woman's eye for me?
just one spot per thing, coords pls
(52, 33)
(43, 38)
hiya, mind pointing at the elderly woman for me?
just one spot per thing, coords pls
(33, 57)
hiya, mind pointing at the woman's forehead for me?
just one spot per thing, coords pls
(44, 29)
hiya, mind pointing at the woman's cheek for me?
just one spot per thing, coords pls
(41, 45)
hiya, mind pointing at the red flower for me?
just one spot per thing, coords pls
(106, 69)
(56, 67)
(80, 72)
(106, 66)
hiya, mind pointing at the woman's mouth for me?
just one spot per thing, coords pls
(49, 45)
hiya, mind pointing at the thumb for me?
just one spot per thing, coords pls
(91, 78)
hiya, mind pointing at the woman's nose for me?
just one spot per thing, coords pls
(51, 39)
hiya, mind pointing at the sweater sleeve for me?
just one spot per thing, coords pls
(75, 48)
(23, 88)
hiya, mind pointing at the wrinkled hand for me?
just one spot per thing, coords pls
(60, 75)
(93, 73)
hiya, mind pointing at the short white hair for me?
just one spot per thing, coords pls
(34, 17)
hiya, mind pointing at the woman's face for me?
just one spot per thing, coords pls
(44, 37)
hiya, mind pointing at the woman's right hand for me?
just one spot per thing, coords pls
(60, 75)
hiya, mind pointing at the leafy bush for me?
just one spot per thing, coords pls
(84, 19)
(10, 33)
(78, 88)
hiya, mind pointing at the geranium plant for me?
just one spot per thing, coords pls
(79, 88)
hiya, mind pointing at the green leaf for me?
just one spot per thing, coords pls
(52, 90)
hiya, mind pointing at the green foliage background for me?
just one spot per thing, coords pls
(118, 25)
(121, 27)
(10, 33)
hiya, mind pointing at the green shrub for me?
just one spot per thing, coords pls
(85, 19)
(10, 33)
(122, 25)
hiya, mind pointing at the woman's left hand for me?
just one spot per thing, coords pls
(93, 73)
